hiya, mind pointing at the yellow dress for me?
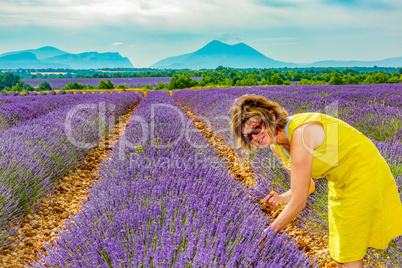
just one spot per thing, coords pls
(364, 208)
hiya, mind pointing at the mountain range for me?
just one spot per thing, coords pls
(212, 55)
(51, 57)
(240, 55)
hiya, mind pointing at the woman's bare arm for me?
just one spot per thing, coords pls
(287, 196)
(304, 140)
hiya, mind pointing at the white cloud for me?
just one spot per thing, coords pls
(227, 37)
(174, 16)
(117, 44)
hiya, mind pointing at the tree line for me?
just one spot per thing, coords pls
(223, 76)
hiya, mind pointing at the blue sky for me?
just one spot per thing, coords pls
(146, 31)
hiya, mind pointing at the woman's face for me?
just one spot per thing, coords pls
(256, 131)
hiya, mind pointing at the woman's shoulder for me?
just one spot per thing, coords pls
(311, 136)
(301, 118)
(306, 114)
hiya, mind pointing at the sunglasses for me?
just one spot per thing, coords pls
(256, 130)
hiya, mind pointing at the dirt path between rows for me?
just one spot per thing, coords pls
(315, 245)
(68, 198)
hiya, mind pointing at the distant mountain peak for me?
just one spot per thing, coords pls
(218, 47)
(219, 44)
(51, 57)
(48, 48)
(217, 53)
(216, 42)
(23, 56)
(40, 53)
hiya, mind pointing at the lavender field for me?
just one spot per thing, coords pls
(131, 82)
(160, 200)
(168, 216)
(42, 140)
(375, 110)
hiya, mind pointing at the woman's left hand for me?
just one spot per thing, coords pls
(273, 200)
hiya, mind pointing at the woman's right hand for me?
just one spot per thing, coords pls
(273, 200)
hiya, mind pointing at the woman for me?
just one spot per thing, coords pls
(364, 208)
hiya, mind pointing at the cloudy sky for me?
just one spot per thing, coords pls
(146, 31)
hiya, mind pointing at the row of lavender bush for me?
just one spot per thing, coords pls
(50, 93)
(378, 116)
(19, 109)
(34, 154)
(132, 82)
(156, 205)
(6, 99)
